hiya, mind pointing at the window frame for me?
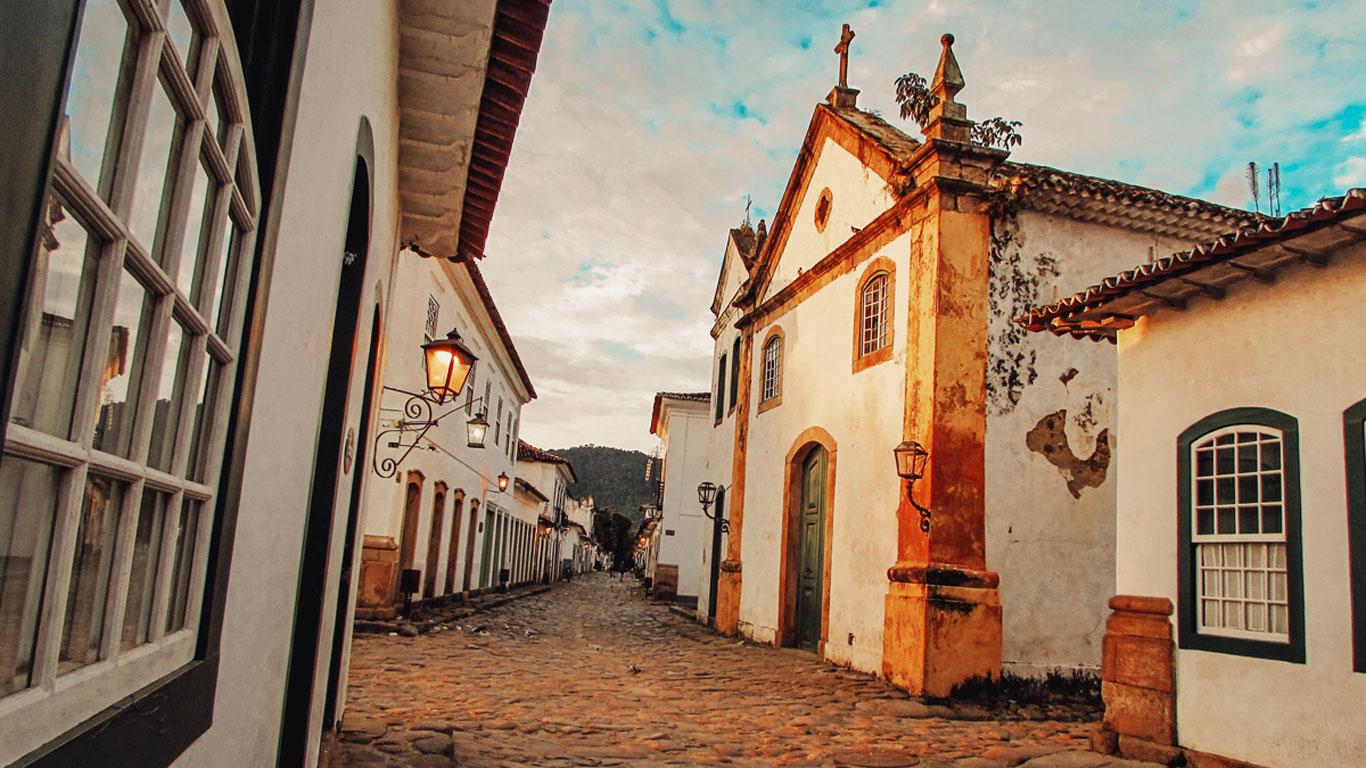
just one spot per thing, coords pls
(133, 729)
(878, 267)
(734, 374)
(769, 401)
(721, 389)
(1354, 449)
(1189, 635)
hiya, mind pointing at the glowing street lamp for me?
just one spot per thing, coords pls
(448, 365)
(478, 429)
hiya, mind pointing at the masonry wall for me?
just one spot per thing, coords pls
(1050, 495)
(351, 75)
(1286, 347)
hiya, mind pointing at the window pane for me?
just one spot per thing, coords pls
(201, 211)
(184, 561)
(1247, 488)
(133, 309)
(1247, 456)
(1271, 519)
(227, 259)
(1204, 521)
(1249, 519)
(182, 34)
(1280, 619)
(1271, 487)
(1271, 455)
(195, 468)
(1204, 492)
(63, 291)
(1227, 520)
(87, 594)
(28, 501)
(1204, 463)
(170, 394)
(1225, 460)
(1226, 490)
(137, 614)
(154, 166)
(100, 76)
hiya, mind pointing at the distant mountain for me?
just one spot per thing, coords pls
(614, 477)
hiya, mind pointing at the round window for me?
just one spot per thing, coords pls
(823, 210)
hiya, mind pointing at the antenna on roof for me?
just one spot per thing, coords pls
(1252, 185)
(1273, 190)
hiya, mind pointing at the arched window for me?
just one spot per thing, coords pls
(873, 315)
(771, 370)
(1239, 530)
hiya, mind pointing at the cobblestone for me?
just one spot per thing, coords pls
(548, 680)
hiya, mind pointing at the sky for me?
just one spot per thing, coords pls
(651, 122)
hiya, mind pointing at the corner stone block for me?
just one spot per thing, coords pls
(1138, 672)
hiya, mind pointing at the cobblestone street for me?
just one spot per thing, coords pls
(592, 674)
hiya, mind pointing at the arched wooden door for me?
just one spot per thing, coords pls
(407, 545)
(811, 550)
(434, 542)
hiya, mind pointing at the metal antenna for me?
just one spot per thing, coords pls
(1252, 184)
(1273, 189)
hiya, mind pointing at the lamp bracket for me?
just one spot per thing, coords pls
(418, 417)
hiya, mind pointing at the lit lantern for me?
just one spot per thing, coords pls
(910, 460)
(478, 428)
(503, 481)
(448, 365)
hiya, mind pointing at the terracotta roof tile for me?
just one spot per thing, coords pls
(1095, 312)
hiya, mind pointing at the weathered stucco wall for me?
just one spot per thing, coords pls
(1250, 350)
(863, 413)
(687, 437)
(1050, 495)
(858, 195)
(350, 75)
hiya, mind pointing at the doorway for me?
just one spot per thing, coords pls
(469, 544)
(412, 512)
(434, 542)
(811, 550)
(453, 548)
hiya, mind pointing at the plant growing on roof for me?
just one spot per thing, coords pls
(916, 100)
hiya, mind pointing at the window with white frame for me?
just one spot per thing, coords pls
(126, 367)
(773, 364)
(873, 302)
(1239, 533)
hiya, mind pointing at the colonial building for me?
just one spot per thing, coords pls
(875, 312)
(430, 513)
(681, 422)
(1242, 491)
(205, 204)
(551, 475)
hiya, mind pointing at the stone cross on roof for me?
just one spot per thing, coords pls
(846, 36)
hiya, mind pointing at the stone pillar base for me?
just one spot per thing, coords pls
(728, 598)
(1137, 670)
(378, 578)
(942, 627)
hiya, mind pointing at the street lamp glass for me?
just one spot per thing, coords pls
(503, 481)
(910, 460)
(478, 428)
(448, 365)
(706, 493)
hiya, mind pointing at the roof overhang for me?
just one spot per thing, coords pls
(697, 401)
(463, 75)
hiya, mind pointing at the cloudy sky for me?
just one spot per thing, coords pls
(649, 122)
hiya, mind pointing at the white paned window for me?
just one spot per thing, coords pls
(773, 363)
(125, 373)
(873, 315)
(1242, 587)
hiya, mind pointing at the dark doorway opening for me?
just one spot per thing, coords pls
(327, 475)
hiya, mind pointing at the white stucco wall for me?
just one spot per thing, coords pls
(858, 195)
(1052, 546)
(350, 75)
(687, 435)
(1290, 347)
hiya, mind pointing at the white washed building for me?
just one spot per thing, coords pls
(206, 204)
(682, 422)
(1241, 529)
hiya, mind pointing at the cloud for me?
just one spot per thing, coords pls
(1351, 173)
(649, 124)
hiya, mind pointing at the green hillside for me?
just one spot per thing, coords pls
(614, 477)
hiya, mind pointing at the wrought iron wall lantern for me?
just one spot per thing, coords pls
(503, 482)
(706, 495)
(911, 458)
(448, 364)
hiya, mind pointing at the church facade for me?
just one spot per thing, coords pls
(875, 311)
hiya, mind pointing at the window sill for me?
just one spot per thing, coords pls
(771, 403)
(1292, 652)
(873, 358)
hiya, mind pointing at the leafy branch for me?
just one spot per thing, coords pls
(916, 100)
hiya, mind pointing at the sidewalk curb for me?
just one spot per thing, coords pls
(470, 608)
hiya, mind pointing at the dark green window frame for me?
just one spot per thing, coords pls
(1188, 635)
(1353, 424)
(721, 390)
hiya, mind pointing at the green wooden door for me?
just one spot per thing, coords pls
(811, 551)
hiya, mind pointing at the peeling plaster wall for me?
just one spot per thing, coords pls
(1050, 493)
(1273, 350)
(863, 413)
(858, 195)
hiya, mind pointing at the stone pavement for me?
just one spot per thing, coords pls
(591, 674)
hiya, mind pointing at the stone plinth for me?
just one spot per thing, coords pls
(1138, 673)
(942, 627)
(666, 581)
(378, 578)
